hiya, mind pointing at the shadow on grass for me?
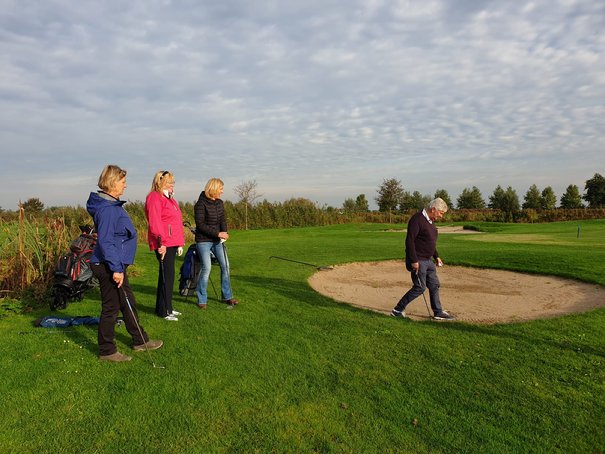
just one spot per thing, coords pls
(517, 336)
(85, 336)
(295, 290)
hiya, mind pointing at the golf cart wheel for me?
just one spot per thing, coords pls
(59, 300)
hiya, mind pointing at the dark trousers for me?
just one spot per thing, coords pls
(113, 302)
(426, 277)
(163, 297)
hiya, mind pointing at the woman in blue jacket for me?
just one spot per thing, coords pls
(115, 250)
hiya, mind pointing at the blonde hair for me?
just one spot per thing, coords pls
(161, 178)
(110, 176)
(213, 187)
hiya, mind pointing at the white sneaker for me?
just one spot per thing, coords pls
(171, 318)
(175, 313)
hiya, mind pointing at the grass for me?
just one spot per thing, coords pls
(290, 371)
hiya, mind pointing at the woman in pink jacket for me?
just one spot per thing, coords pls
(166, 237)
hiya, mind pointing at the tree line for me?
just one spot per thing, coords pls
(393, 198)
(394, 205)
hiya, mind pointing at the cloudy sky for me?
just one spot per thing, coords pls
(317, 99)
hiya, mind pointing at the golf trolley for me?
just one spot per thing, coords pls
(191, 269)
(73, 275)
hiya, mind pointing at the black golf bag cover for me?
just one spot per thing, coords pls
(190, 270)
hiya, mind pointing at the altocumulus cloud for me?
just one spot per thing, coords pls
(316, 99)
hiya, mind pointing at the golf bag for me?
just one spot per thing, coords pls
(190, 271)
(73, 275)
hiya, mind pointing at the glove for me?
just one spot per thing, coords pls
(179, 251)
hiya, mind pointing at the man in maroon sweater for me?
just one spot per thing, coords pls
(420, 258)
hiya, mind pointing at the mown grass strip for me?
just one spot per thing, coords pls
(288, 370)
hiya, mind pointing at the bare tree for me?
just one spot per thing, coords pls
(246, 191)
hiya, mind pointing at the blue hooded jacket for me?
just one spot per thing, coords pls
(116, 235)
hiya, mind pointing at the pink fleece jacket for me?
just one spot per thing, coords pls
(165, 220)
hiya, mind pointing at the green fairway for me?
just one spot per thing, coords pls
(288, 370)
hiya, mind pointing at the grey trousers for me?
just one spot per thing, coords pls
(426, 278)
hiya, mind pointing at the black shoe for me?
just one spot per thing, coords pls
(443, 315)
(396, 313)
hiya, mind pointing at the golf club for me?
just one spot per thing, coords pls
(164, 283)
(164, 292)
(163, 277)
(229, 306)
(211, 283)
(320, 268)
(140, 332)
(423, 296)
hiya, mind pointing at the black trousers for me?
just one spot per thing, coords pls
(163, 297)
(113, 302)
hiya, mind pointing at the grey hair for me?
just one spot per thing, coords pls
(438, 204)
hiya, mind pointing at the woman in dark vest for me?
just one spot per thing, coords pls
(210, 235)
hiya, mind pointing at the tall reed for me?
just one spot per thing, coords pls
(29, 253)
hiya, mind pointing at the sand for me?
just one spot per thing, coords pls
(483, 296)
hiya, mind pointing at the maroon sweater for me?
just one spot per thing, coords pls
(421, 239)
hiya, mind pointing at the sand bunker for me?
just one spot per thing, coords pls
(473, 295)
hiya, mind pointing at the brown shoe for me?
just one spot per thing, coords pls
(150, 344)
(116, 357)
(201, 306)
(231, 302)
